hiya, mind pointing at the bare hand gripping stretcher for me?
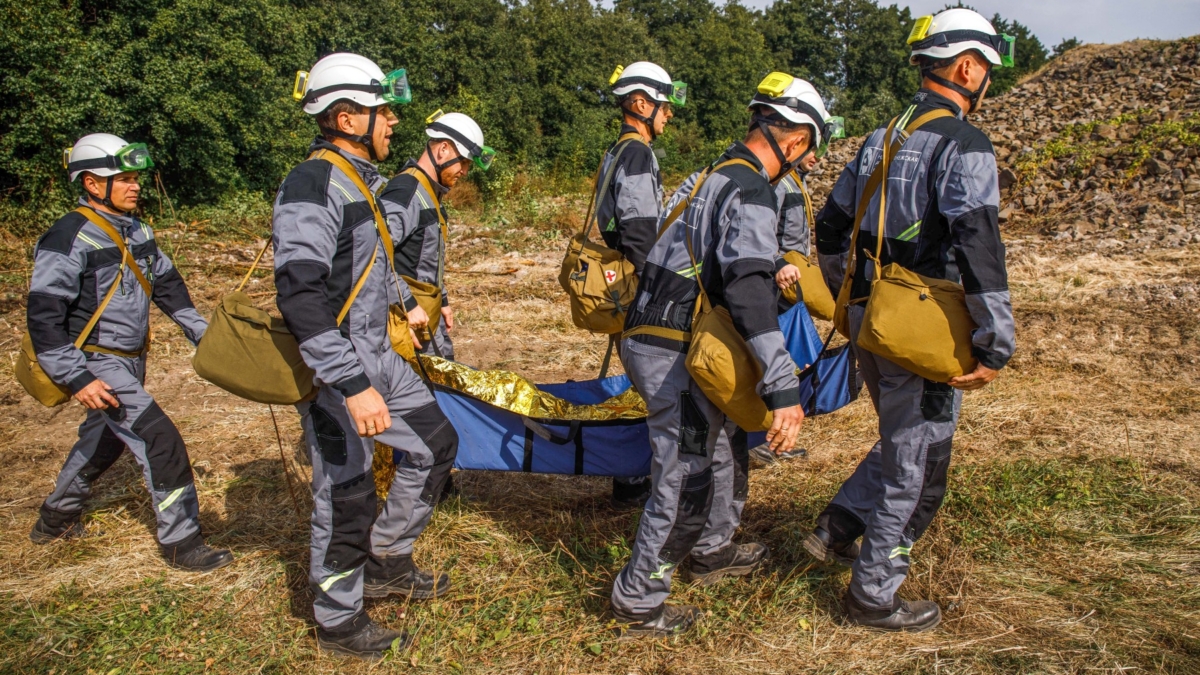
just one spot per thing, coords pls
(595, 427)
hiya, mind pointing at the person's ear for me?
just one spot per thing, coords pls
(345, 122)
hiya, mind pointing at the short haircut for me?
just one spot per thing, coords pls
(781, 129)
(327, 118)
(930, 64)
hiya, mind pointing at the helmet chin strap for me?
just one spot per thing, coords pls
(439, 168)
(648, 121)
(784, 165)
(107, 200)
(365, 139)
(971, 96)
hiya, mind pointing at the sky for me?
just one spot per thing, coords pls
(1089, 20)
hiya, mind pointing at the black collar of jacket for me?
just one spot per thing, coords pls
(363, 166)
(927, 99)
(437, 187)
(739, 151)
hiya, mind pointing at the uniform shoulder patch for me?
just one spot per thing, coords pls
(969, 138)
(753, 187)
(307, 183)
(61, 235)
(400, 190)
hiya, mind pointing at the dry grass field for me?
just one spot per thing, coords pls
(1069, 541)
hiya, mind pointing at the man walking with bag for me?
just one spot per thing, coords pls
(335, 284)
(939, 200)
(718, 244)
(95, 273)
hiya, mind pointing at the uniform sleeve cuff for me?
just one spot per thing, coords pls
(785, 398)
(353, 386)
(445, 300)
(410, 303)
(989, 359)
(780, 263)
(80, 381)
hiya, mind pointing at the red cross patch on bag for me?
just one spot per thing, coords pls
(610, 276)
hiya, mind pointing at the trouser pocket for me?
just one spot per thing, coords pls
(331, 438)
(693, 427)
(937, 402)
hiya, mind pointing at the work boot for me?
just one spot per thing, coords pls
(398, 574)
(45, 532)
(732, 561)
(363, 638)
(761, 456)
(630, 496)
(665, 621)
(449, 489)
(915, 616)
(820, 545)
(195, 557)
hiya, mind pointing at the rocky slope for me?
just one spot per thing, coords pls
(1100, 150)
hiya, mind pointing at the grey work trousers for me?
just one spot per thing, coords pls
(345, 529)
(893, 495)
(154, 442)
(691, 463)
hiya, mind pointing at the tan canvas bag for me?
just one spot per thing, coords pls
(811, 288)
(29, 372)
(600, 282)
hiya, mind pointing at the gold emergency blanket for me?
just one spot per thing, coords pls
(509, 391)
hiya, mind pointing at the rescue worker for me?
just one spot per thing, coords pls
(327, 242)
(629, 209)
(941, 222)
(729, 227)
(792, 231)
(77, 263)
(417, 217)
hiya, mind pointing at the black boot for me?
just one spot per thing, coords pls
(915, 616)
(398, 574)
(628, 495)
(820, 544)
(194, 555)
(363, 638)
(665, 621)
(732, 561)
(762, 457)
(58, 526)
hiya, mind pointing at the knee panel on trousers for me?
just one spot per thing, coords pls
(353, 506)
(432, 426)
(166, 453)
(739, 445)
(841, 525)
(331, 438)
(695, 501)
(933, 489)
(108, 451)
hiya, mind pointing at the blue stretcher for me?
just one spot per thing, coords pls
(495, 439)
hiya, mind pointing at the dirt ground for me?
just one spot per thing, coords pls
(1069, 541)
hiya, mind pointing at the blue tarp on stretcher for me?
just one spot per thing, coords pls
(495, 439)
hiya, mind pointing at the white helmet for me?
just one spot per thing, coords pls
(352, 77)
(651, 79)
(958, 30)
(105, 155)
(798, 102)
(466, 135)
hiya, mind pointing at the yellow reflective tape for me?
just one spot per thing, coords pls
(424, 204)
(89, 240)
(334, 183)
(662, 569)
(171, 499)
(899, 551)
(328, 583)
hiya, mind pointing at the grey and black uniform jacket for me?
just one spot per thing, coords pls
(731, 225)
(324, 235)
(628, 215)
(74, 266)
(416, 231)
(792, 229)
(941, 221)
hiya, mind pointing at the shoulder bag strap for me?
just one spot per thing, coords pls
(97, 220)
(687, 240)
(890, 147)
(598, 196)
(381, 226)
(437, 207)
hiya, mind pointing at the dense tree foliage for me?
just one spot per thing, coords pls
(206, 82)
